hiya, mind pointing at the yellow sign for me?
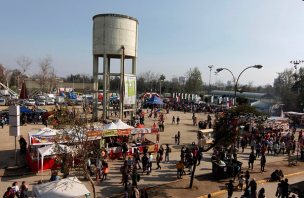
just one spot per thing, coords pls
(151, 148)
(107, 133)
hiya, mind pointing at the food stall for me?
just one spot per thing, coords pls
(141, 141)
(113, 137)
(42, 139)
(115, 134)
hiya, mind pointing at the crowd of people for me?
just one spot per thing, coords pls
(16, 191)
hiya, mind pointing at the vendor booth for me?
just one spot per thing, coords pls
(64, 188)
(115, 134)
(42, 142)
(49, 151)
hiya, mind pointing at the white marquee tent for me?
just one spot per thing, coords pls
(49, 150)
(65, 188)
(122, 125)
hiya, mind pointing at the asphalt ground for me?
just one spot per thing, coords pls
(161, 183)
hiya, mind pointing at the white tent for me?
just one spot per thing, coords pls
(49, 150)
(122, 125)
(110, 126)
(64, 188)
(43, 132)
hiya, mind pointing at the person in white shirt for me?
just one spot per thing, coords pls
(241, 182)
(16, 189)
(150, 163)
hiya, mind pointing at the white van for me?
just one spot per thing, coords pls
(2, 102)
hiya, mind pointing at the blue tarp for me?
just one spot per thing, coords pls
(25, 110)
(155, 100)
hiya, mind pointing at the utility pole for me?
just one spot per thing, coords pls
(210, 67)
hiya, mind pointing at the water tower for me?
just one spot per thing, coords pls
(114, 36)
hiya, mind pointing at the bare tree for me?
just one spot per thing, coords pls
(23, 62)
(45, 65)
(75, 131)
(7, 74)
(52, 79)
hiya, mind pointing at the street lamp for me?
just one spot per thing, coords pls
(160, 87)
(210, 67)
(236, 81)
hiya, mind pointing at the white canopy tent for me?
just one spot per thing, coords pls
(65, 188)
(49, 150)
(42, 132)
(122, 125)
(110, 126)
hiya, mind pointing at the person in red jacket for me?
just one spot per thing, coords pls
(9, 193)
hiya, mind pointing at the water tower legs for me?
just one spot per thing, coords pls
(95, 87)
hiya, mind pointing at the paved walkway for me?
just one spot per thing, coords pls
(158, 177)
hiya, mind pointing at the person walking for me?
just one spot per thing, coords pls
(251, 160)
(252, 144)
(258, 149)
(135, 192)
(275, 148)
(243, 144)
(150, 163)
(247, 178)
(263, 163)
(144, 161)
(168, 150)
(230, 187)
(177, 120)
(285, 187)
(124, 150)
(199, 157)
(180, 167)
(134, 177)
(158, 161)
(173, 120)
(178, 137)
(124, 172)
(253, 188)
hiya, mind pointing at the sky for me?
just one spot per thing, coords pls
(173, 35)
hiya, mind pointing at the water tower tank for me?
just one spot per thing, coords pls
(111, 32)
(114, 37)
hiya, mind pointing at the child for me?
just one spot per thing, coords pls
(241, 182)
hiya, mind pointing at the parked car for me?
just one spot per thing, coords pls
(41, 102)
(2, 102)
(30, 102)
(21, 102)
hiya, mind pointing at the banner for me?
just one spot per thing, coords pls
(140, 130)
(130, 90)
(94, 134)
(36, 139)
(123, 132)
(108, 133)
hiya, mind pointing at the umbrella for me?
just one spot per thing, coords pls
(23, 92)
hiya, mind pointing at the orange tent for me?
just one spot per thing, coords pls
(140, 126)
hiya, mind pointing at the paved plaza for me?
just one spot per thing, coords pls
(157, 177)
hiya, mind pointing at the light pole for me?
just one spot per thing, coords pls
(210, 67)
(160, 87)
(237, 80)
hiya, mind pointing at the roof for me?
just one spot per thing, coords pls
(262, 105)
(64, 188)
(115, 15)
(244, 94)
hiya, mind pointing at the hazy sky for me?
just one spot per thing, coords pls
(174, 35)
